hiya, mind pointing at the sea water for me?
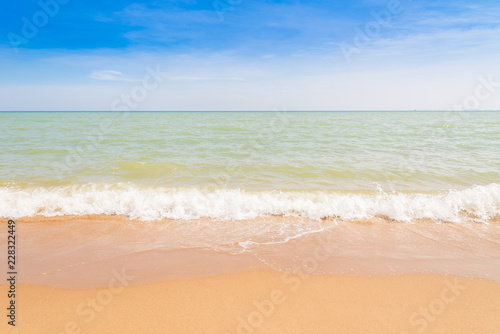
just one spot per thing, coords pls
(404, 166)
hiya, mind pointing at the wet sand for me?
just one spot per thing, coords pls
(109, 274)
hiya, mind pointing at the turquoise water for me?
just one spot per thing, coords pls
(238, 165)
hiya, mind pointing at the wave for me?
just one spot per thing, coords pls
(477, 203)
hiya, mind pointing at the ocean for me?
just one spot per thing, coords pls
(404, 166)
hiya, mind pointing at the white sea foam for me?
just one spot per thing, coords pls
(478, 203)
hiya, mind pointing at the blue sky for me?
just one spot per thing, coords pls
(250, 55)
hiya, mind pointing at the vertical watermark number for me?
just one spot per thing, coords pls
(11, 272)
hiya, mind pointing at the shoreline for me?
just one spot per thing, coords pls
(80, 251)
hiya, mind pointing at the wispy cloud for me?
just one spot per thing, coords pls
(109, 75)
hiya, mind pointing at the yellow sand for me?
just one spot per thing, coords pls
(109, 280)
(263, 301)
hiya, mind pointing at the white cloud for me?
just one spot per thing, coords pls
(109, 75)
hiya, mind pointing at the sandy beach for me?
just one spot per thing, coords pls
(266, 302)
(110, 275)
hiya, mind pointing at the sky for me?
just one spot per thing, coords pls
(114, 55)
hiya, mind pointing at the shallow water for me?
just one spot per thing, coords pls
(241, 165)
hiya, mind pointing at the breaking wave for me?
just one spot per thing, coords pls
(477, 203)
